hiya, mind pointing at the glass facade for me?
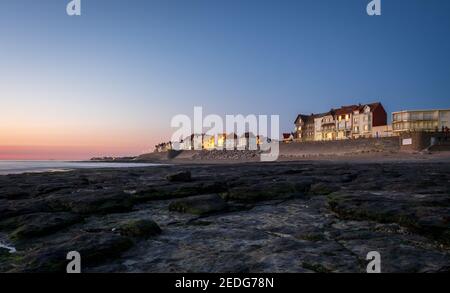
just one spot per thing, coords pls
(417, 120)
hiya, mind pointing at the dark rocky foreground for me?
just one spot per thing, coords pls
(280, 217)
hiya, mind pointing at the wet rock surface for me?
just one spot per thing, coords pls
(182, 176)
(199, 205)
(140, 228)
(275, 217)
(34, 225)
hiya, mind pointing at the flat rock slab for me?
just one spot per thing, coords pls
(199, 205)
(140, 228)
(39, 224)
(183, 176)
(95, 202)
(93, 248)
(425, 214)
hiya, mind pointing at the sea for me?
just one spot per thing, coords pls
(20, 167)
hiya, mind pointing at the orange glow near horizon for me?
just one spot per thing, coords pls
(71, 144)
(61, 152)
(43, 122)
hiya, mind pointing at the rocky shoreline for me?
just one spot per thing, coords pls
(254, 217)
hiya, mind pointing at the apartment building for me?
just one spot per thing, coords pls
(306, 125)
(367, 119)
(328, 129)
(344, 125)
(318, 129)
(420, 120)
(353, 121)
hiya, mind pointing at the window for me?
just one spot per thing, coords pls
(416, 116)
(428, 116)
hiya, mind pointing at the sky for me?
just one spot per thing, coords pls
(109, 82)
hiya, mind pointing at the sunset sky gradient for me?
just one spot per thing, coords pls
(109, 82)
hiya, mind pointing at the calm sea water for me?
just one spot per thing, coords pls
(19, 167)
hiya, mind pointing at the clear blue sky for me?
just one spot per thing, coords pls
(124, 68)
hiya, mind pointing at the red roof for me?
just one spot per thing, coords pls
(309, 118)
(341, 111)
(346, 110)
(373, 106)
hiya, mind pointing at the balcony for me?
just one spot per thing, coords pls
(415, 116)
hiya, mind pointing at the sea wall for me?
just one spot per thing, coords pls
(287, 150)
(418, 141)
(340, 147)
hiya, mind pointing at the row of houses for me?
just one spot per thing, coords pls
(365, 121)
(346, 122)
(354, 121)
(247, 141)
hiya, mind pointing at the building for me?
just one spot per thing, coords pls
(368, 119)
(209, 142)
(247, 141)
(287, 137)
(263, 140)
(163, 147)
(344, 121)
(192, 142)
(382, 131)
(221, 141)
(318, 129)
(353, 121)
(304, 127)
(420, 120)
(186, 143)
(231, 141)
(328, 126)
(197, 141)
